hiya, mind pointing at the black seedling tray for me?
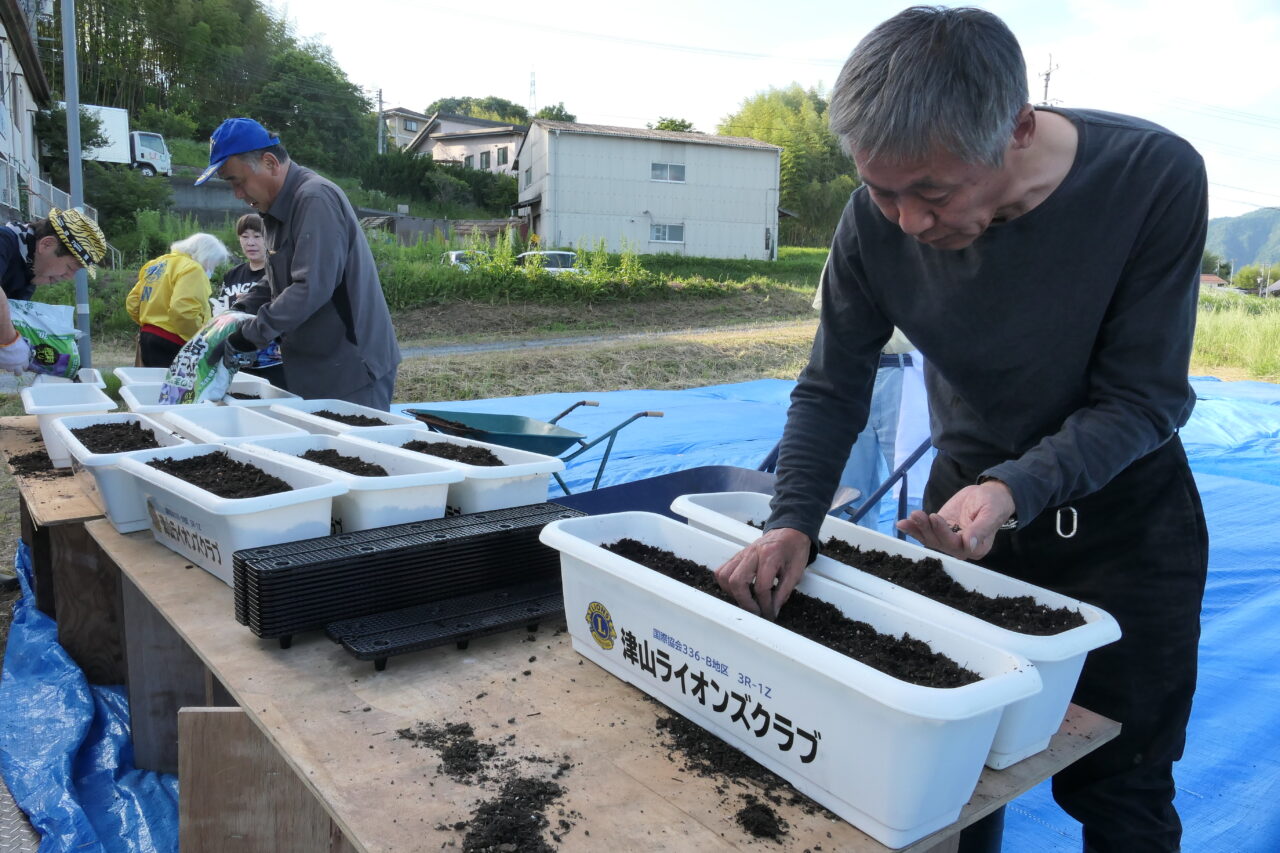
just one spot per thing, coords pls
(455, 620)
(280, 590)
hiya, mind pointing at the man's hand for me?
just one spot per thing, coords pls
(965, 526)
(15, 355)
(235, 351)
(780, 555)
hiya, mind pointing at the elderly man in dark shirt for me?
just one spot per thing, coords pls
(1045, 262)
(321, 295)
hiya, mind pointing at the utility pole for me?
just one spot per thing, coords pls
(1046, 75)
(533, 93)
(382, 127)
(71, 91)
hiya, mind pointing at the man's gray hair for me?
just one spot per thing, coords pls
(930, 78)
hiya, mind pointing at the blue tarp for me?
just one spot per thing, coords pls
(65, 755)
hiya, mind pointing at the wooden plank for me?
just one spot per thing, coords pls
(163, 675)
(37, 539)
(236, 795)
(334, 721)
(86, 587)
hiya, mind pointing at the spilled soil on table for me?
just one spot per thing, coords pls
(516, 819)
(36, 464)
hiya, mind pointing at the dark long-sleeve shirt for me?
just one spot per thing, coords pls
(321, 296)
(1056, 345)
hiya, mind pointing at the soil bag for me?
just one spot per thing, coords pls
(197, 373)
(51, 331)
(66, 752)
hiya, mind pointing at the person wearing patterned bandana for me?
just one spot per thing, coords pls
(42, 252)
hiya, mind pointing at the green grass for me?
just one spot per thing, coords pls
(188, 152)
(1238, 332)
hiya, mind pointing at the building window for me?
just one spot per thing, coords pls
(469, 161)
(410, 124)
(528, 176)
(502, 156)
(666, 233)
(672, 172)
(484, 159)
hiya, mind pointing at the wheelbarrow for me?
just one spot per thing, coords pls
(522, 433)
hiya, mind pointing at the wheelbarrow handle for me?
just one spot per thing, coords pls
(571, 408)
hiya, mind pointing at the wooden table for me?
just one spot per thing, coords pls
(71, 582)
(304, 754)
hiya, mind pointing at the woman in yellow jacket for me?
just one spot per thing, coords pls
(171, 299)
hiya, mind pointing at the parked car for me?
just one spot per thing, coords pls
(553, 262)
(463, 258)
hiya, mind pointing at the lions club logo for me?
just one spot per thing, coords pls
(600, 623)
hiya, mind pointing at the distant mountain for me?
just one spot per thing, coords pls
(1250, 239)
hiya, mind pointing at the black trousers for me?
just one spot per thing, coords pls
(156, 351)
(1140, 552)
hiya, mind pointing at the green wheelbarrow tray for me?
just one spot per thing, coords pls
(523, 433)
(508, 430)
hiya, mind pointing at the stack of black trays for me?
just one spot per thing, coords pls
(464, 560)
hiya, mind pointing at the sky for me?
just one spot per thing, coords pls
(1208, 70)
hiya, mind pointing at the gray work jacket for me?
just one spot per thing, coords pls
(321, 295)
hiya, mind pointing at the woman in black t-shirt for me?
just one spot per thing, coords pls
(239, 280)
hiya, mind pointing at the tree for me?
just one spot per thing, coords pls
(680, 124)
(324, 120)
(816, 175)
(556, 113)
(51, 130)
(1213, 264)
(491, 107)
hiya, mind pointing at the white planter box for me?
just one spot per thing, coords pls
(300, 414)
(207, 529)
(414, 489)
(225, 424)
(895, 759)
(265, 392)
(144, 398)
(53, 400)
(522, 479)
(134, 375)
(114, 491)
(84, 376)
(1027, 725)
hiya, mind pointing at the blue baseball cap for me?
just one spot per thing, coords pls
(235, 136)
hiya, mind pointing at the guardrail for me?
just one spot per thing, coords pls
(43, 196)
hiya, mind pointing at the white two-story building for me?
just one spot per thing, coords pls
(23, 90)
(654, 190)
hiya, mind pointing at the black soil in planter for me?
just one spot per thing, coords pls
(1021, 613)
(241, 395)
(350, 464)
(465, 453)
(351, 420)
(904, 657)
(223, 476)
(115, 438)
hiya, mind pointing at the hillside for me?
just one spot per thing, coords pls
(1249, 239)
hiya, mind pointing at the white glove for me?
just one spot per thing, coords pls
(15, 356)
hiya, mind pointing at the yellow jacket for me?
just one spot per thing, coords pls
(172, 293)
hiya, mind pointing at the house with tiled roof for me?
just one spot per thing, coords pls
(403, 125)
(477, 143)
(652, 190)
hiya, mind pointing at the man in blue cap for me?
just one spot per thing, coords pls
(321, 296)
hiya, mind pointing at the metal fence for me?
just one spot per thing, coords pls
(42, 196)
(8, 185)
